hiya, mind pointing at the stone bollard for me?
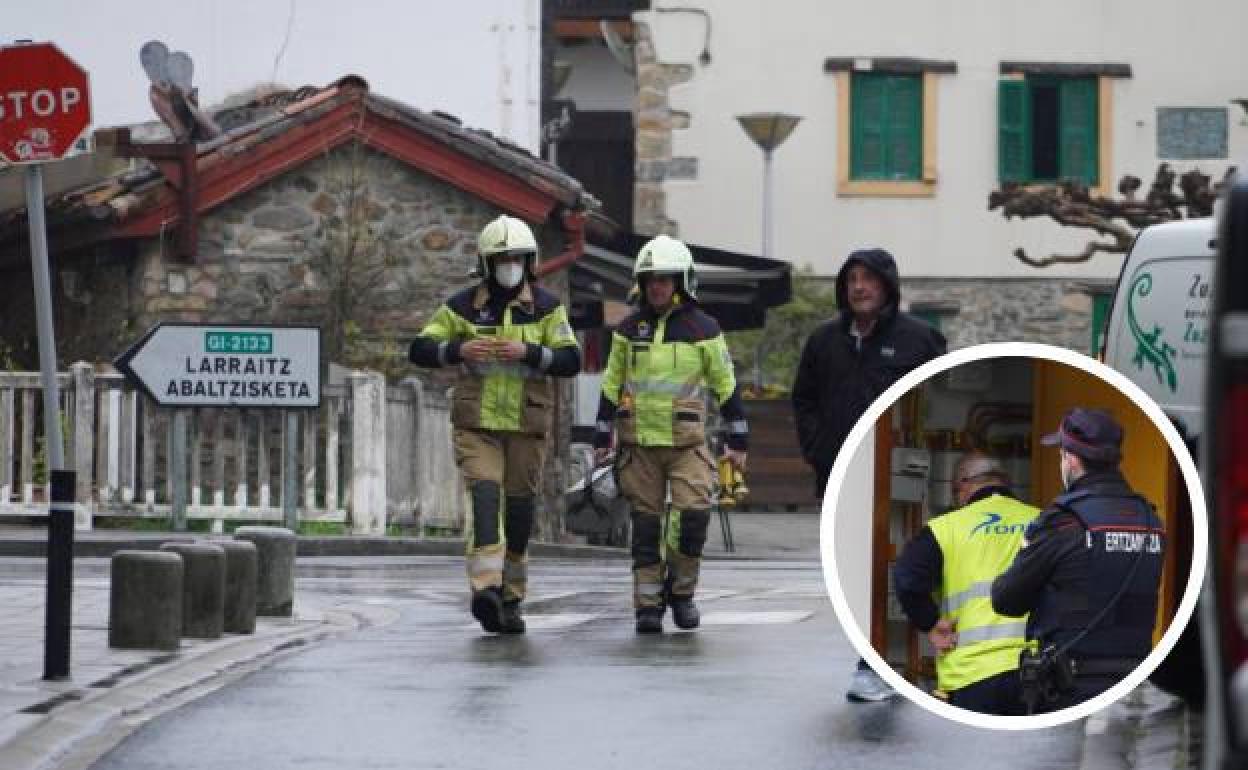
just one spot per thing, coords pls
(145, 600)
(241, 562)
(275, 582)
(203, 588)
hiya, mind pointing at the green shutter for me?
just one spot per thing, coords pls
(886, 126)
(904, 148)
(1078, 156)
(1013, 131)
(867, 115)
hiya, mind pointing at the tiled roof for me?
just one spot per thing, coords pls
(118, 197)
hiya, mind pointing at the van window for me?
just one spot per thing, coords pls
(1158, 334)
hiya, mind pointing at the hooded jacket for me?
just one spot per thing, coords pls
(840, 375)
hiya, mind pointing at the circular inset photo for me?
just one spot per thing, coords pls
(1014, 536)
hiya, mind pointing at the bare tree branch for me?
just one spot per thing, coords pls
(1071, 204)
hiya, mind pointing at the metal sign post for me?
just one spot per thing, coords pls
(45, 111)
(61, 509)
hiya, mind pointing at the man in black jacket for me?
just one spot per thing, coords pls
(846, 364)
(1089, 570)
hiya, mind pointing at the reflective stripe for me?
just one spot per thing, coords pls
(953, 603)
(989, 633)
(443, 347)
(478, 565)
(738, 427)
(684, 390)
(604, 426)
(523, 371)
(649, 589)
(548, 356)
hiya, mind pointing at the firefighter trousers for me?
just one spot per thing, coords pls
(666, 535)
(502, 471)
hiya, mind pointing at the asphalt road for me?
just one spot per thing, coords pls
(761, 685)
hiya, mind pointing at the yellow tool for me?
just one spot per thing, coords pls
(732, 488)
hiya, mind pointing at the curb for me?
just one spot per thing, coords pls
(93, 545)
(76, 727)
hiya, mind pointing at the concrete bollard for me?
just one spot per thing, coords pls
(203, 589)
(145, 600)
(241, 562)
(275, 582)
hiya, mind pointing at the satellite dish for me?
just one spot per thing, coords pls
(153, 56)
(180, 68)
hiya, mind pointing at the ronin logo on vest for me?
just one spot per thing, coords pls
(991, 526)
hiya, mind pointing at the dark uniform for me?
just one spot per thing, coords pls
(1099, 545)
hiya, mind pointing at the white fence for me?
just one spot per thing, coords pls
(363, 458)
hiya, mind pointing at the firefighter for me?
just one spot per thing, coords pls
(509, 338)
(664, 358)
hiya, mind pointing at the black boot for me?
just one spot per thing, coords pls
(512, 621)
(685, 612)
(650, 620)
(487, 608)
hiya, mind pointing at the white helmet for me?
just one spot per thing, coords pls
(664, 254)
(506, 235)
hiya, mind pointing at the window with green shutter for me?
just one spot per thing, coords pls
(1048, 130)
(886, 126)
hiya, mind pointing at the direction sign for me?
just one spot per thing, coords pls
(45, 104)
(184, 364)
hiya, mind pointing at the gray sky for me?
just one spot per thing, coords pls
(473, 58)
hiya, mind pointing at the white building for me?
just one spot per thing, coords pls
(913, 111)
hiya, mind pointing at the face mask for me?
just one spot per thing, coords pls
(509, 276)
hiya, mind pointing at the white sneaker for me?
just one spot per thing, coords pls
(868, 687)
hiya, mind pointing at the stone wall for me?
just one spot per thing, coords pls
(975, 310)
(655, 121)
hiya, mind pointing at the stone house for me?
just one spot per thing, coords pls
(333, 206)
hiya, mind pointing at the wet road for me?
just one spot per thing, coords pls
(761, 685)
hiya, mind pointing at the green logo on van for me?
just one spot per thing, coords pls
(1150, 348)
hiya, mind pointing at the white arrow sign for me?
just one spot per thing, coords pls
(180, 364)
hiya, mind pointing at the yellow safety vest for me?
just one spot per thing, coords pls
(978, 543)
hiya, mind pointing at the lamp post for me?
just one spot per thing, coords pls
(768, 130)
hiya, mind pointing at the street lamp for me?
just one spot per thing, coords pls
(768, 130)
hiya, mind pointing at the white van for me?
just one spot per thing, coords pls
(1157, 335)
(1158, 328)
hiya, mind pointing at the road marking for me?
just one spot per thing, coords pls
(754, 618)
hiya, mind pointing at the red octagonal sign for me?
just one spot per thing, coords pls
(45, 105)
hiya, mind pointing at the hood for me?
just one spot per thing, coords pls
(879, 262)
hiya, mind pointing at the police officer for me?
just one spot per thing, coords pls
(509, 337)
(1088, 572)
(943, 577)
(663, 357)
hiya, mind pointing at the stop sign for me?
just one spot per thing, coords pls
(45, 105)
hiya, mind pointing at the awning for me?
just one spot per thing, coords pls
(736, 289)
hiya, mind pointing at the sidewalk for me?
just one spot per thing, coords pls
(41, 721)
